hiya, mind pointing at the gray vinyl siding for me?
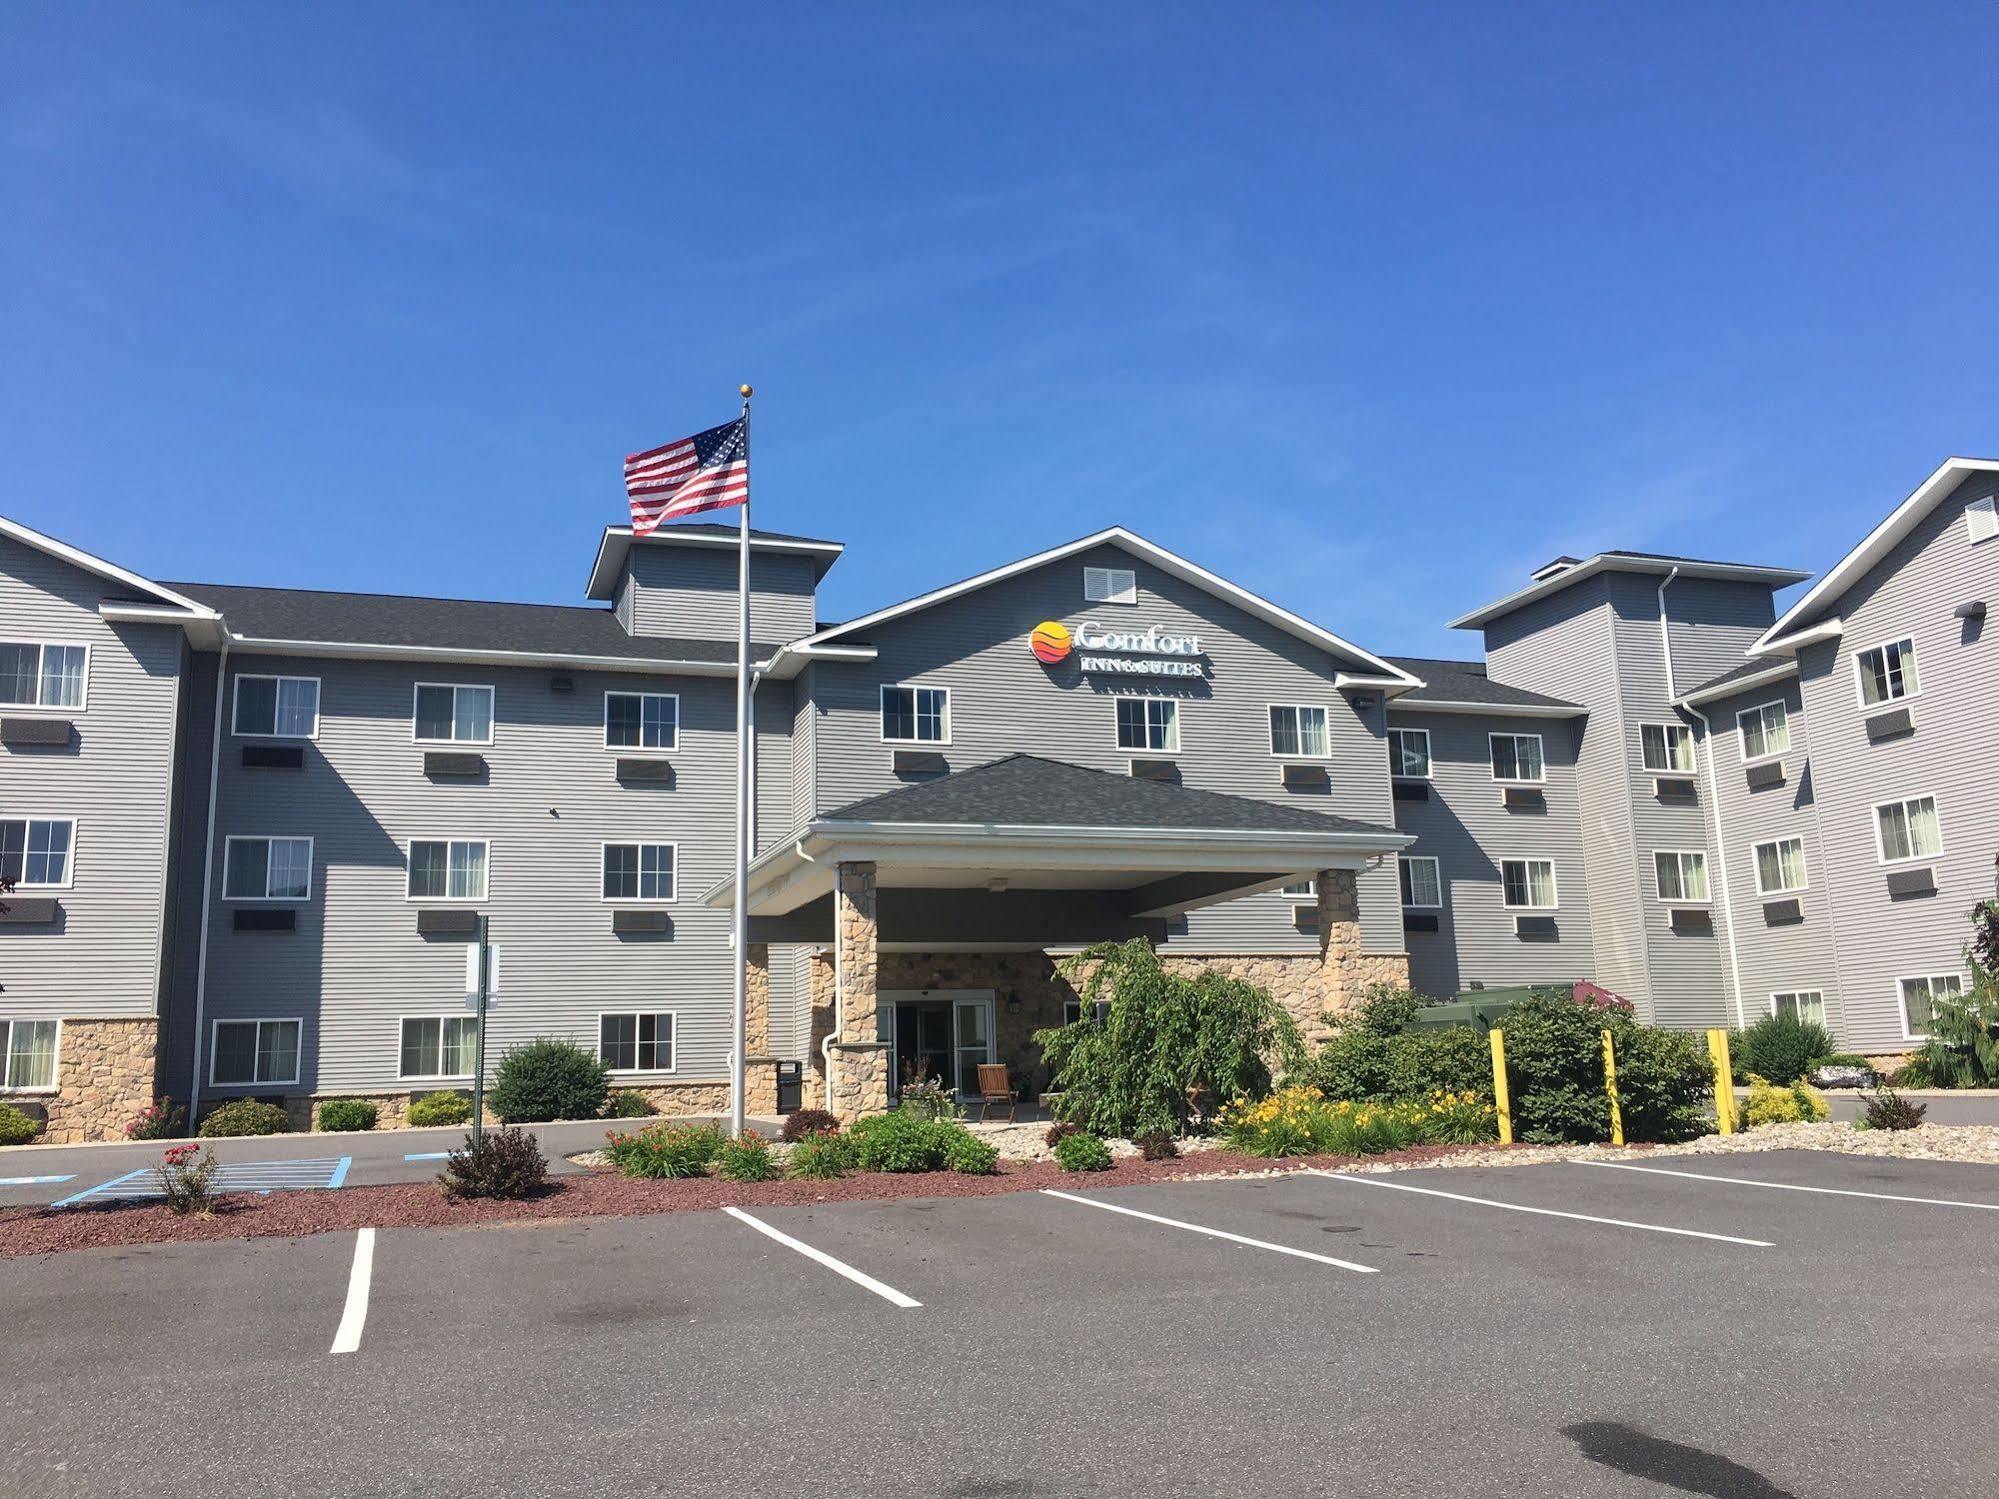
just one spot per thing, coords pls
(690, 591)
(1911, 592)
(1004, 702)
(101, 958)
(804, 745)
(1464, 826)
(356, 964)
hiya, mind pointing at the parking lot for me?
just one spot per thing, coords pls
(1699, 1326)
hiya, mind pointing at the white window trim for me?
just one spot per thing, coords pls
(409, 868)
(440, 1016)
(1100, 1011)
(1742, 738)
(1777, 994)
(1881, 847)
(492, 713)
(1909, 1033)
(1756, 866)
(228, 847)
(1438, 880)
(260, 1021)
(53, 1087)
(1128, 749)
(39, 708)
(1989, 506)
(1395, 774)
(1682, 854)
(1541, 754)
(1271, 728)
(1887, 704)
(235, 706)
(68, 864)
(638, 1071)
(637, 900)
(1661, 770)
(632, 750)
(1117, 598)
(1554, 885)
(881, 714)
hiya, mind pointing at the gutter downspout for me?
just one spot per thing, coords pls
(208, 885)
(1714, 800)
(839, 987)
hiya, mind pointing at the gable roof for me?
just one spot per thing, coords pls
(1129, 541)
(152, 595)
(1464, 684)
(618, 541)
(1876, 545)
(1659, 563)
(1752, 673)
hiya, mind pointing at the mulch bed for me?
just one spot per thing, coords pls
(600, 1194)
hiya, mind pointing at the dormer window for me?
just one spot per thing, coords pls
(1110, 585)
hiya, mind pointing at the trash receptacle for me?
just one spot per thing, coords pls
(790, 1086)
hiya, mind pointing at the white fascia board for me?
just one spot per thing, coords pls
(359, 651)
(29, 537)
(1491, 710)
(1875, 546)
(1727, 572)
(1797, 640)
(617, 541)
(1775, 673)
(1391, 687)
(1167, 562)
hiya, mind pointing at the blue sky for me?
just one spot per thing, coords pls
(1370, 308)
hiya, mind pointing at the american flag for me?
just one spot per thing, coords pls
(708, 471)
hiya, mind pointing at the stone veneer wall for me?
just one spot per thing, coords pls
(104, 1077)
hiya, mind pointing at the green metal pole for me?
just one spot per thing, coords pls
(479, 1044)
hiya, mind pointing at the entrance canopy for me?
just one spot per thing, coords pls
(1029, 853)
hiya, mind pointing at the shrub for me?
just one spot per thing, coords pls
(346, 1115)
(665, 1150)
(1157, 1145)
(187, 1177)
(1363, 1064)
(1554, 1058)
(802, 1122)
(244, 1116)
(439, 1108)
(1846, 1059)
(628, 1103)
(1082, 1153)
(1888, 1109)
(1771, 1104)
(1168, 1041)
(1963, 1049)
(900, 1141)
(16, 1127)
(968, 1155)
(548, 1079)
(156, 1121)
(1385, 1010)
(747, 1159)
(1664, 1081)
(502, 1163)
(1783, 1048)
(820, 1157)
(1059, 1131)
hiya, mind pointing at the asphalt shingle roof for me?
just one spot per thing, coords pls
(1466, 682)
(1029, 791)
(1746, 669)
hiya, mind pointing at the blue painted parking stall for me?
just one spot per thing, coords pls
(240, 1176)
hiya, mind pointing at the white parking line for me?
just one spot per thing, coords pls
(347, 1337)
(838, 1267)
(1743, 1181)
(1213, 1233)
(1515, 1207)
(35, 1181)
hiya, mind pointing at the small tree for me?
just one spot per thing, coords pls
(1963, 1049)
(1167, 1041)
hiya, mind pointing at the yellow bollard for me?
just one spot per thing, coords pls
(1610, 1087)
(1724, 1081)
(1502, 1105)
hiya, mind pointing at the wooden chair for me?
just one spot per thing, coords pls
(995, 1090)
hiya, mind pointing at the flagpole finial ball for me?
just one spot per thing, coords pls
(747, 391)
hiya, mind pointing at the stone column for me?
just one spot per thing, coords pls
(1340, 965)
(104, 1077)
(759, 1066)
(859, 1084)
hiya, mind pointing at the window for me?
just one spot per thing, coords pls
(1981, 518)
(636, 1043)
(1667, 747)
(443, 869)
(34, 851)
(916, 715)
(1780, 866)
(1148, 723)
(1517, 757)
(1409, 753)
(267, 869)
(641, 720)
(1766, 730)
(1421, 885)
(1110, 585)
(1681, 874)
(1807, 1005)
(42, 676)
(638, 871)
(453, 715)
(1887, 672)
(1298, 730)
(250, 1052)
(277, 707)
(1527, 884)
(1303, 890)
(1918, 994)
(28, 1053)
(1072, 1011)
(440, 1046)
(1908, 830)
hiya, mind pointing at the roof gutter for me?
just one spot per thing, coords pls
(1498, 710)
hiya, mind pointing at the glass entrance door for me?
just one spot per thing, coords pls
(974, 1025)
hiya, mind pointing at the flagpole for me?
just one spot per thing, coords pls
(741, 933)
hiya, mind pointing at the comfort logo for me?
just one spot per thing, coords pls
(1050, 643)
